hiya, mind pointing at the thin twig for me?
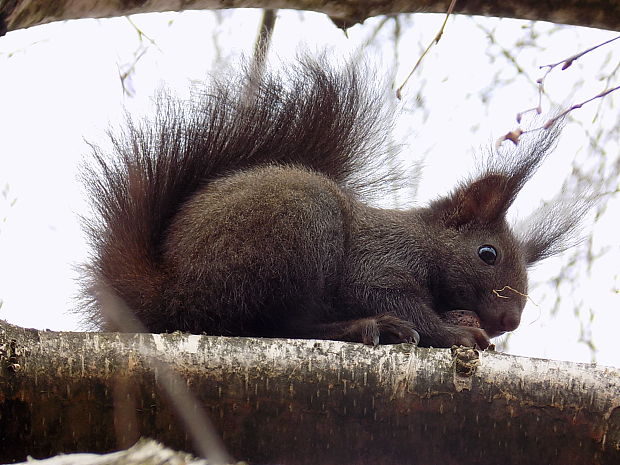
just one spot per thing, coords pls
(602, 94)
(513, 136)
(570, 60)
(433, 42)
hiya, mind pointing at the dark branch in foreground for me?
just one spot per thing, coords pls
(604, 14)
(304, 401)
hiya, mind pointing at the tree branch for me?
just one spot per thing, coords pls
(604, 14)
(303, 401)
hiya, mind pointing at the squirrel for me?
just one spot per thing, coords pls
(242, 213)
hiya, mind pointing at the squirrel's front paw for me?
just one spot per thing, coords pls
(470, 337)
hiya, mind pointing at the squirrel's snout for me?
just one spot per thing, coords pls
(510, 321)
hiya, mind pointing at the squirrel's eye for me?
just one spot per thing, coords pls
(487, 254)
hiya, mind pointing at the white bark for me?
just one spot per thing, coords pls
(145, 452)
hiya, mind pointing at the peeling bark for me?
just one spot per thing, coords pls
(604, 14)
(145, 452)
(303, 401)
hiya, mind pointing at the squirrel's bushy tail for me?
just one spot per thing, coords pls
(331, 121)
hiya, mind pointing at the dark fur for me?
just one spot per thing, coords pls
(240, 214)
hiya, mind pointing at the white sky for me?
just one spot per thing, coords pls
(59, 86)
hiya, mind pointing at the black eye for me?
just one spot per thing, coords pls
(487, 254)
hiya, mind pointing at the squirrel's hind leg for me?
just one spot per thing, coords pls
(373, 330)
(249, 252)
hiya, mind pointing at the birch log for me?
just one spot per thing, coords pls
(303, 401)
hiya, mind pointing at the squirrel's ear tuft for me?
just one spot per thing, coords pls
(554, 227)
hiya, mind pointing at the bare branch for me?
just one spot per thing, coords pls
(263, 40)
(513, 136)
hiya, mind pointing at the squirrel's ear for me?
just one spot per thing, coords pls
(482, 201)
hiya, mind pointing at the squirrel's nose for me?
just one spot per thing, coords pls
(511, 320)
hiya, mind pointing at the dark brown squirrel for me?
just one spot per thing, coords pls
(240, 214)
